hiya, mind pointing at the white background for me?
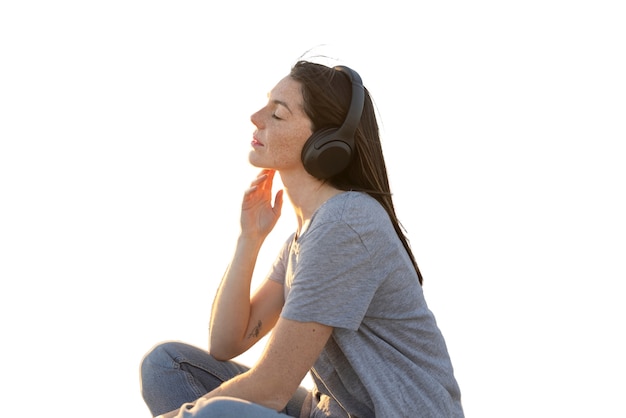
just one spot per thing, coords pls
(124, 129)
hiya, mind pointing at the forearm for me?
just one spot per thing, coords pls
(250, 387)
(230, 315)
(291, 350)
(245, 387)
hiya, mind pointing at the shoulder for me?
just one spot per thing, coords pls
(348, 206)
(356, 216)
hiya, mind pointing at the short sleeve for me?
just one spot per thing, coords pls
(333, 283)
(279, 268)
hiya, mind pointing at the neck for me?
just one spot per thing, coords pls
(306, 194)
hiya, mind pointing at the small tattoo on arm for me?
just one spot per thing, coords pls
(255, 331)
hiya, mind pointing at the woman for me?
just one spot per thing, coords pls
(343, 298)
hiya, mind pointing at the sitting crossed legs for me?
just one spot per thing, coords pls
(176, 375)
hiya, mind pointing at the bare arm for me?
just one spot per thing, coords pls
(291, 351)
(237, 321)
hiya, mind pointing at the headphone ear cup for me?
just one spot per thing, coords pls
(324, 155)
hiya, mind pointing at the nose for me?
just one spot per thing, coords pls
(255, 118)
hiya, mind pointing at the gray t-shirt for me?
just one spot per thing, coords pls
(386, 356)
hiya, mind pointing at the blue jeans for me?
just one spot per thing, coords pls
(174, 373)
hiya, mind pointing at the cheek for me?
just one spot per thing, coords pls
(290, 147)
(288, 151)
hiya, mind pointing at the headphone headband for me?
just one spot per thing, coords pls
(353, 117)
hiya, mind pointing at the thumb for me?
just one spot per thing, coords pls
(278, 202)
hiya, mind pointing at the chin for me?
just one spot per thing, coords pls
(252, 159)
(258, 161)
(256, 164)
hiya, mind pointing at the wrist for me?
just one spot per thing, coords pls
(250, 240)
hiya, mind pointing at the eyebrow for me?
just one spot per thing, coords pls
(280, 102)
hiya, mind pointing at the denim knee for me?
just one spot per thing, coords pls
(226, 407)
(159, 356)
(164, 387)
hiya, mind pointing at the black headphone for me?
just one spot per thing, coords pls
(328, 151)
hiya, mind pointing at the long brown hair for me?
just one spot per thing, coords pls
(326, 101)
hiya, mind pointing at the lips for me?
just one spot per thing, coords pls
(256, 143)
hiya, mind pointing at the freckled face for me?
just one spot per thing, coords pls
(282, 128)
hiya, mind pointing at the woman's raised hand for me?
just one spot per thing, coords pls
(258, 215)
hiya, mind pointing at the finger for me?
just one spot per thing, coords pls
(264, 173)
(269, 181)
(278, 202)
(250, 190)
(260, 179)
(265, 181)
